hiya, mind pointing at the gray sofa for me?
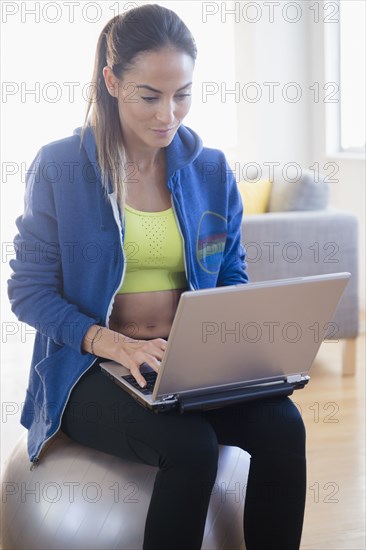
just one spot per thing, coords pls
(307, 237)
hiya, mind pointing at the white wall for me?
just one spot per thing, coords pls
(273, 52)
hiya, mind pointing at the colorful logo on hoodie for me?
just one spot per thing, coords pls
(211, 239)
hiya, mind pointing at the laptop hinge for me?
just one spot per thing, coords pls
(294, 378)
(230, 397)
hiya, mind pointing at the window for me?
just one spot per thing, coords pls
(345, 66)
(352, 75)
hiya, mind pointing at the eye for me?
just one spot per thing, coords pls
(182, 96)
(151, 99)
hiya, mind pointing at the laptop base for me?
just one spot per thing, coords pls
(238, 395)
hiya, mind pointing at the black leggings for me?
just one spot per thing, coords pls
(101, 415)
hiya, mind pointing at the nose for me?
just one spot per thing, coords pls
(165, 112)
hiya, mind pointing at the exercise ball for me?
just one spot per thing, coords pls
(80, 498)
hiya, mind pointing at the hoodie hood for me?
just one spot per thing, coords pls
(182, 150)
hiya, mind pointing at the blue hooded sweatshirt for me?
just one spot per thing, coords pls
(70, 261)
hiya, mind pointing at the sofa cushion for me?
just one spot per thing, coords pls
(304, 194)
(255, 196)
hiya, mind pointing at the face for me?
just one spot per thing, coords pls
(153, 97)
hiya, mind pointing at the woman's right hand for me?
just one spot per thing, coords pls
(133, 353)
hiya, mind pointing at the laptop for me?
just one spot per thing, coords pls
(237, 343)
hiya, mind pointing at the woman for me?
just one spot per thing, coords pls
(120, 218)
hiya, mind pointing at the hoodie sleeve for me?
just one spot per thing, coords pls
(35, 285)
(233, 266)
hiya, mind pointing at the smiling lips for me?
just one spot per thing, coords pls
(164, 131)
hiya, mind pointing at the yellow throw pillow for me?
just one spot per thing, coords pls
(255, 196)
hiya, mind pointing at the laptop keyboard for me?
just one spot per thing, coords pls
(150, 378)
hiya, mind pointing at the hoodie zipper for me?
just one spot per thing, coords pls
(35, 461)
(121, 237)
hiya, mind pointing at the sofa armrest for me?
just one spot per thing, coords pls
(295, 244)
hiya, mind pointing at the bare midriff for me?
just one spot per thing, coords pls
(145, 315)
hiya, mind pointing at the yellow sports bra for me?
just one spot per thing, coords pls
(154, 252)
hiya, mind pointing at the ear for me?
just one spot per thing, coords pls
(110, 81)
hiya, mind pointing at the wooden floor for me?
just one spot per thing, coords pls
(333, 409)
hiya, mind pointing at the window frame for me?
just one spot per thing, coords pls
(333, 111)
